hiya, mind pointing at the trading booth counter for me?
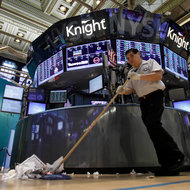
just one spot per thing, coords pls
(118, 140)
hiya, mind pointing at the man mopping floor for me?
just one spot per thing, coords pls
(145, 80)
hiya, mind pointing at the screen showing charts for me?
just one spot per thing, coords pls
(183, 105)
(95, 84)
(58, 96)
(86, 55)
(148, 50)
(175, 63)
(13, 92)
(50, 68)
(35, 107)
(12, 106)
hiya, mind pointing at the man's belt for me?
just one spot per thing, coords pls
(150, 94)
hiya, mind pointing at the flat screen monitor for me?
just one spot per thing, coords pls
(183, 105)
(58, 96)
(11, 106)
(148, 50)
(13, 92)
(37, 95)
(175, 63)
(85, 55)
(50, 68)
(96, 102)
(35, 107)
(96, 84)
(177, 94)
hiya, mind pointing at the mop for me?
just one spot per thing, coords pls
(89, 129)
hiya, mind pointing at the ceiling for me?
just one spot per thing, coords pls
(22, 21)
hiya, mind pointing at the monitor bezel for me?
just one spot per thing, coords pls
(36, 100)
(180, 101)
(93, 79)
(173, 72)
(161, 64)
(36, 103)
(13, 97)
(84, 66)
(11, 100)
(59, 73)
(58, 91)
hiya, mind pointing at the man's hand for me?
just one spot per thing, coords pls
(120, 90)
(134, 76)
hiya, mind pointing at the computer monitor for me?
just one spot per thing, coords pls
(96, 102)
(183, 105)
(58, 96)
(96, 84)
(11, 106)
(50, 68)
(85, 55)
(35, 107)
(175, 64)
(177, 94)
(13, 92)
(37, 95)
(148, 50)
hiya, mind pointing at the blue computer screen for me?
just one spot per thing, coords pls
(50, 68)
(85, 55)
(183, 105)
(175, 63)
(36, 95)
(148, 50)
(35, 107)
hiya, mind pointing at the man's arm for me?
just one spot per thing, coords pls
(128, 91)
(154, 76)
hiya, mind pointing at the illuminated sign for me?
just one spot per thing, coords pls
(177, 38)
(87, 27)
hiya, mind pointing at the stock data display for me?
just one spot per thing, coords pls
(50, 68)
(175, 63)
(85, 55)
(148, 50)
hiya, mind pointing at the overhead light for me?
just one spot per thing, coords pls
(97, 2)
(17, 40)
(68, 1)
(167, 13)
(8, 65)
(20, 34)
(62, 8)
(89, 11)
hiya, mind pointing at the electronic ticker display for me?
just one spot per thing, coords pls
(86, 55)
(148, 50)
(175, 63)
(50, 68)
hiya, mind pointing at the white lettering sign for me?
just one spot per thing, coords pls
(180, 40)
(87, 27)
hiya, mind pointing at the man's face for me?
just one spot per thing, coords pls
(134, 59)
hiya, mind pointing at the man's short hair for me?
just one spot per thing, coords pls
(132, 50)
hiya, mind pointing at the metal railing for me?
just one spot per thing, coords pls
(5, 153)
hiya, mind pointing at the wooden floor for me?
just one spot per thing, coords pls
(119, 182)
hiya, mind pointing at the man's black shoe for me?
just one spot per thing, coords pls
(177, 165)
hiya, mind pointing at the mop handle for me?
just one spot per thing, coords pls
(90, 127)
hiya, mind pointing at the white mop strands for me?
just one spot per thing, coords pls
(33, 168)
